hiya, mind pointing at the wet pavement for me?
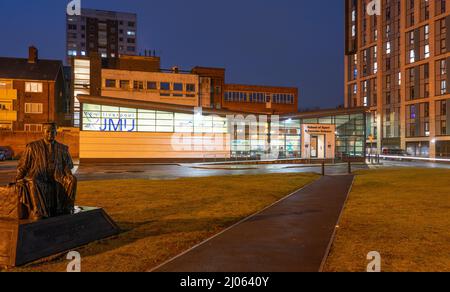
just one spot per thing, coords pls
(293, 235)
(92, 172)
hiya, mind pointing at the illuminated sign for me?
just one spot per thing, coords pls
(99, 118)
(109, 122)
(319, 129)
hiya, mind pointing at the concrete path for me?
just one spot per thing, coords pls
(291, 236)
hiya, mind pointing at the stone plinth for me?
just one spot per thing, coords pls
(23, 242)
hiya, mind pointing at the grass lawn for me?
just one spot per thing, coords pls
(161, 219)
(404, 214)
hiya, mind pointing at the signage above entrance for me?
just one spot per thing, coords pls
(320, 129)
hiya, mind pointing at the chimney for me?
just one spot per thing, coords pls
(32, 55)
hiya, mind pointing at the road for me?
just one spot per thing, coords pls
(92, 172)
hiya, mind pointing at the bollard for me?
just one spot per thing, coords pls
(349, 167)
(323, 168)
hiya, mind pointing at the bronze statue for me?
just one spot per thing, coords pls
(44, 183)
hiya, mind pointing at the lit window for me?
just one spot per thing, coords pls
(412, 56)
(33, 108)
(33, 128)
(427, 51)
(35, 87)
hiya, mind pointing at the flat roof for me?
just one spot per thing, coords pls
(326, 113)
(230, 86)
(147, 105)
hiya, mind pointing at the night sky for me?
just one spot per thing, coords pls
(296, 43)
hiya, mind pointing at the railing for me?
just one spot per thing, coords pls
(8, 94)
(8, 115)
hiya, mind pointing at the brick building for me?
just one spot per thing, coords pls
(32, 92)
(397, 65)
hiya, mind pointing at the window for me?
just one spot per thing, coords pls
(443, 117)
(151, 85)
(165, 86)
(417, 120)
(110, 83)
(131, 33)
(440, 6)
(138, 85)
(33, 128)
(441, 77)
(125, 84)
(443, 87)
(178, 86)
(190, 87)
(33, 108)
(35, 87)
(72, 53)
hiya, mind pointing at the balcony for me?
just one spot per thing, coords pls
(8, 116)
(8, 94)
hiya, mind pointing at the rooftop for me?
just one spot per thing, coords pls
(18, 68)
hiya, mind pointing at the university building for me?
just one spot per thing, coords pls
(130, 109)
(33, 91)
(396, 64)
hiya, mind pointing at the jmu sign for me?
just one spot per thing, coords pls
(110, 122)
(118, 125)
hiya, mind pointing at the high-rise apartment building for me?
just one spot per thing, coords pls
(396, 65)
(108, 33)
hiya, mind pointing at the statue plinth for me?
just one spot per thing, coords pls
(24, 241)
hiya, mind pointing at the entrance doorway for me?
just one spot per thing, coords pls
(318, 141)
(314, 146)
(318, 146)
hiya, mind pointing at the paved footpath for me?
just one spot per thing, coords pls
(291, 236)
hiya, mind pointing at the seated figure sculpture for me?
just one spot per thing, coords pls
(45, 184)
